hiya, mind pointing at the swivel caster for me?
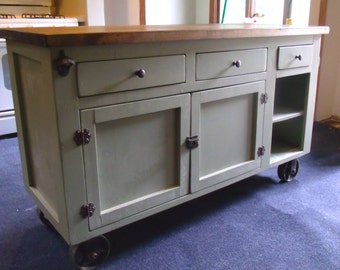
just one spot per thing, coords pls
(90, 254)
(288, 171)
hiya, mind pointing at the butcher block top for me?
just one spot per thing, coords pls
(103, 35)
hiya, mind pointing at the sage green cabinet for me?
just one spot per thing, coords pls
(106, 144)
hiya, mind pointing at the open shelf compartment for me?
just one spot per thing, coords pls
(290, 97)
(291, 94)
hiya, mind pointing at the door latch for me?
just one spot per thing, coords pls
(87, 210)
(192, 142)
(82, 137)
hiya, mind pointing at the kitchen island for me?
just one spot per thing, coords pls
(119, 123)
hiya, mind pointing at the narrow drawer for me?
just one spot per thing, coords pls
(231, 63)
(127, 74)
(295, 56)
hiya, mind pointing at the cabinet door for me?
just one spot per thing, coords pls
(136, 158)
(228, 122)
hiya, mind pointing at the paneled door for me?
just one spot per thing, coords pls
(228, 122)
(137, 157)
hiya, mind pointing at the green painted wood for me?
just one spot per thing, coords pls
(295, 56)
(134, 160)
(229, 123)
(119, 75)
(223, 64)
(137, 163)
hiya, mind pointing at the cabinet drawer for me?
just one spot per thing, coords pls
(295, 56)
(121, 75)
(231, 63)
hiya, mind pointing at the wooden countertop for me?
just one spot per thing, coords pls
(101, 35)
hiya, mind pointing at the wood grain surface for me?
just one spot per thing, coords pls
(101, 35)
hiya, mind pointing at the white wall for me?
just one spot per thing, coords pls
(121, 12)
(95, 12)
(112, 12)
(161, 12)
(202, 11)
(300, 12)
(328, 99)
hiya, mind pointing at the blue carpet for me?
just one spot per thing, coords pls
(255, 224)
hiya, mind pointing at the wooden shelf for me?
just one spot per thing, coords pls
(284, 113)
(282, 151)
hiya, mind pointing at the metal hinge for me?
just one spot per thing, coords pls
(192, 142)
(82, 137)
(260, 151)
(87, 210)
(264, 98)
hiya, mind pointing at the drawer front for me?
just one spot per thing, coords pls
(127, 74)
(295, 56)
(223, 64)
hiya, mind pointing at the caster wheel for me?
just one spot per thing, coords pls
(90, 254)
(45, 221)
(288, 171)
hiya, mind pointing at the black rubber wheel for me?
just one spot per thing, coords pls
(45, 221)
(288, 171)
(90, 254)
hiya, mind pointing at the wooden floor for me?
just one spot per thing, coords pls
(333, 121)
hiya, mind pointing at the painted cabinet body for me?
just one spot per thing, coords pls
(136, 128)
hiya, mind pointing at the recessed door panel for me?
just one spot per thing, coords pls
(136, 158)
(228, 122)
